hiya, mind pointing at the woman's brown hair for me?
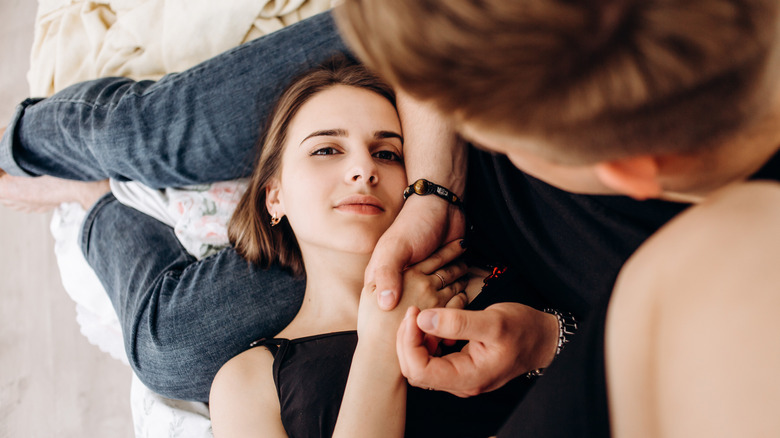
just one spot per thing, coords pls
(592, 79)
(249, 229)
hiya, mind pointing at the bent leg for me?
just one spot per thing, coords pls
(692, 343)
(182, 319)
(192, 127)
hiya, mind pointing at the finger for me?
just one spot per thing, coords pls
(441, 257)
(458, 301)
(425, 371)
(385, 272)
(454, 373)
(431, 343)
(408, 337)
(457, 324)
(450, 273)
(445, 295)
(413, 354)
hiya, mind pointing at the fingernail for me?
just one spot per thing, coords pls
(386, 298)
(408, 313)
(463, 243)
(428, 320)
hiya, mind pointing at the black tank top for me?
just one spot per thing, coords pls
(311, 373)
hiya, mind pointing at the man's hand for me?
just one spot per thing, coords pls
(505, 341)
(424, 224)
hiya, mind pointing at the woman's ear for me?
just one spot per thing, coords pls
(636, 177)
(273, 199)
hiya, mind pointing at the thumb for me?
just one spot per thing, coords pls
(388, 286)
(385, 271)
(456, 324)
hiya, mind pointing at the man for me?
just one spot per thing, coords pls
(658, 101)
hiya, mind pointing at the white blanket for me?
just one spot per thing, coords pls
(77, 40)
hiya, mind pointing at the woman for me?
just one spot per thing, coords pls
(326, 185)
(325, 188)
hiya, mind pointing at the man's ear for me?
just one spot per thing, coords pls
(273, 199)
(636, 177)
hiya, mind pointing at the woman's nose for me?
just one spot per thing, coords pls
(363, 170)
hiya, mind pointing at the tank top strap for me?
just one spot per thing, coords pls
(273, 345)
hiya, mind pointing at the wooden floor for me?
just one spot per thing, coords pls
(53, 383)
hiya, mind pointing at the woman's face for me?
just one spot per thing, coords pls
(342, 173)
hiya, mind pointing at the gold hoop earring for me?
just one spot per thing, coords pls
(275, 220)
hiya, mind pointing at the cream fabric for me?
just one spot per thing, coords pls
(76, 40)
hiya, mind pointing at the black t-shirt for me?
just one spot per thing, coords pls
(563, 251)
(572, 257)
(568, 247)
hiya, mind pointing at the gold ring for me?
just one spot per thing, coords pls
(443, 283)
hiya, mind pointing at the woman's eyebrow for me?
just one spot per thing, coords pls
(327, 133)
(379, 135)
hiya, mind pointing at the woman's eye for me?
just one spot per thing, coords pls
(325, 151)
(388, 156)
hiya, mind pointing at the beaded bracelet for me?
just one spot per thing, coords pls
(567, 326)
(424, 187)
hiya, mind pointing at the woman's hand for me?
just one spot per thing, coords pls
(437, 281)
(423, 224)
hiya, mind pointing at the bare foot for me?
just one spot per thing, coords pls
(45, 193)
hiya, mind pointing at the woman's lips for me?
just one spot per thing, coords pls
(359, 209)
(359, 204)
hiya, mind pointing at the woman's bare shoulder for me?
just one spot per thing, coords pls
(253, 366)
(243, 400)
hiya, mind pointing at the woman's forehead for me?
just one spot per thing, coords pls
(344, 109)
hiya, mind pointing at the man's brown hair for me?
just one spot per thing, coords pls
(249, 229)
(593, 79)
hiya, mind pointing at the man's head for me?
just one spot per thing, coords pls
(579, 81)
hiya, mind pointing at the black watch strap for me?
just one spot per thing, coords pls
(424, 187)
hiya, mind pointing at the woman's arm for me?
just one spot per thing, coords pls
(374, 401)
(243, 401)
(197, 126)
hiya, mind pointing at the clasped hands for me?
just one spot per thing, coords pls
(504, 341)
